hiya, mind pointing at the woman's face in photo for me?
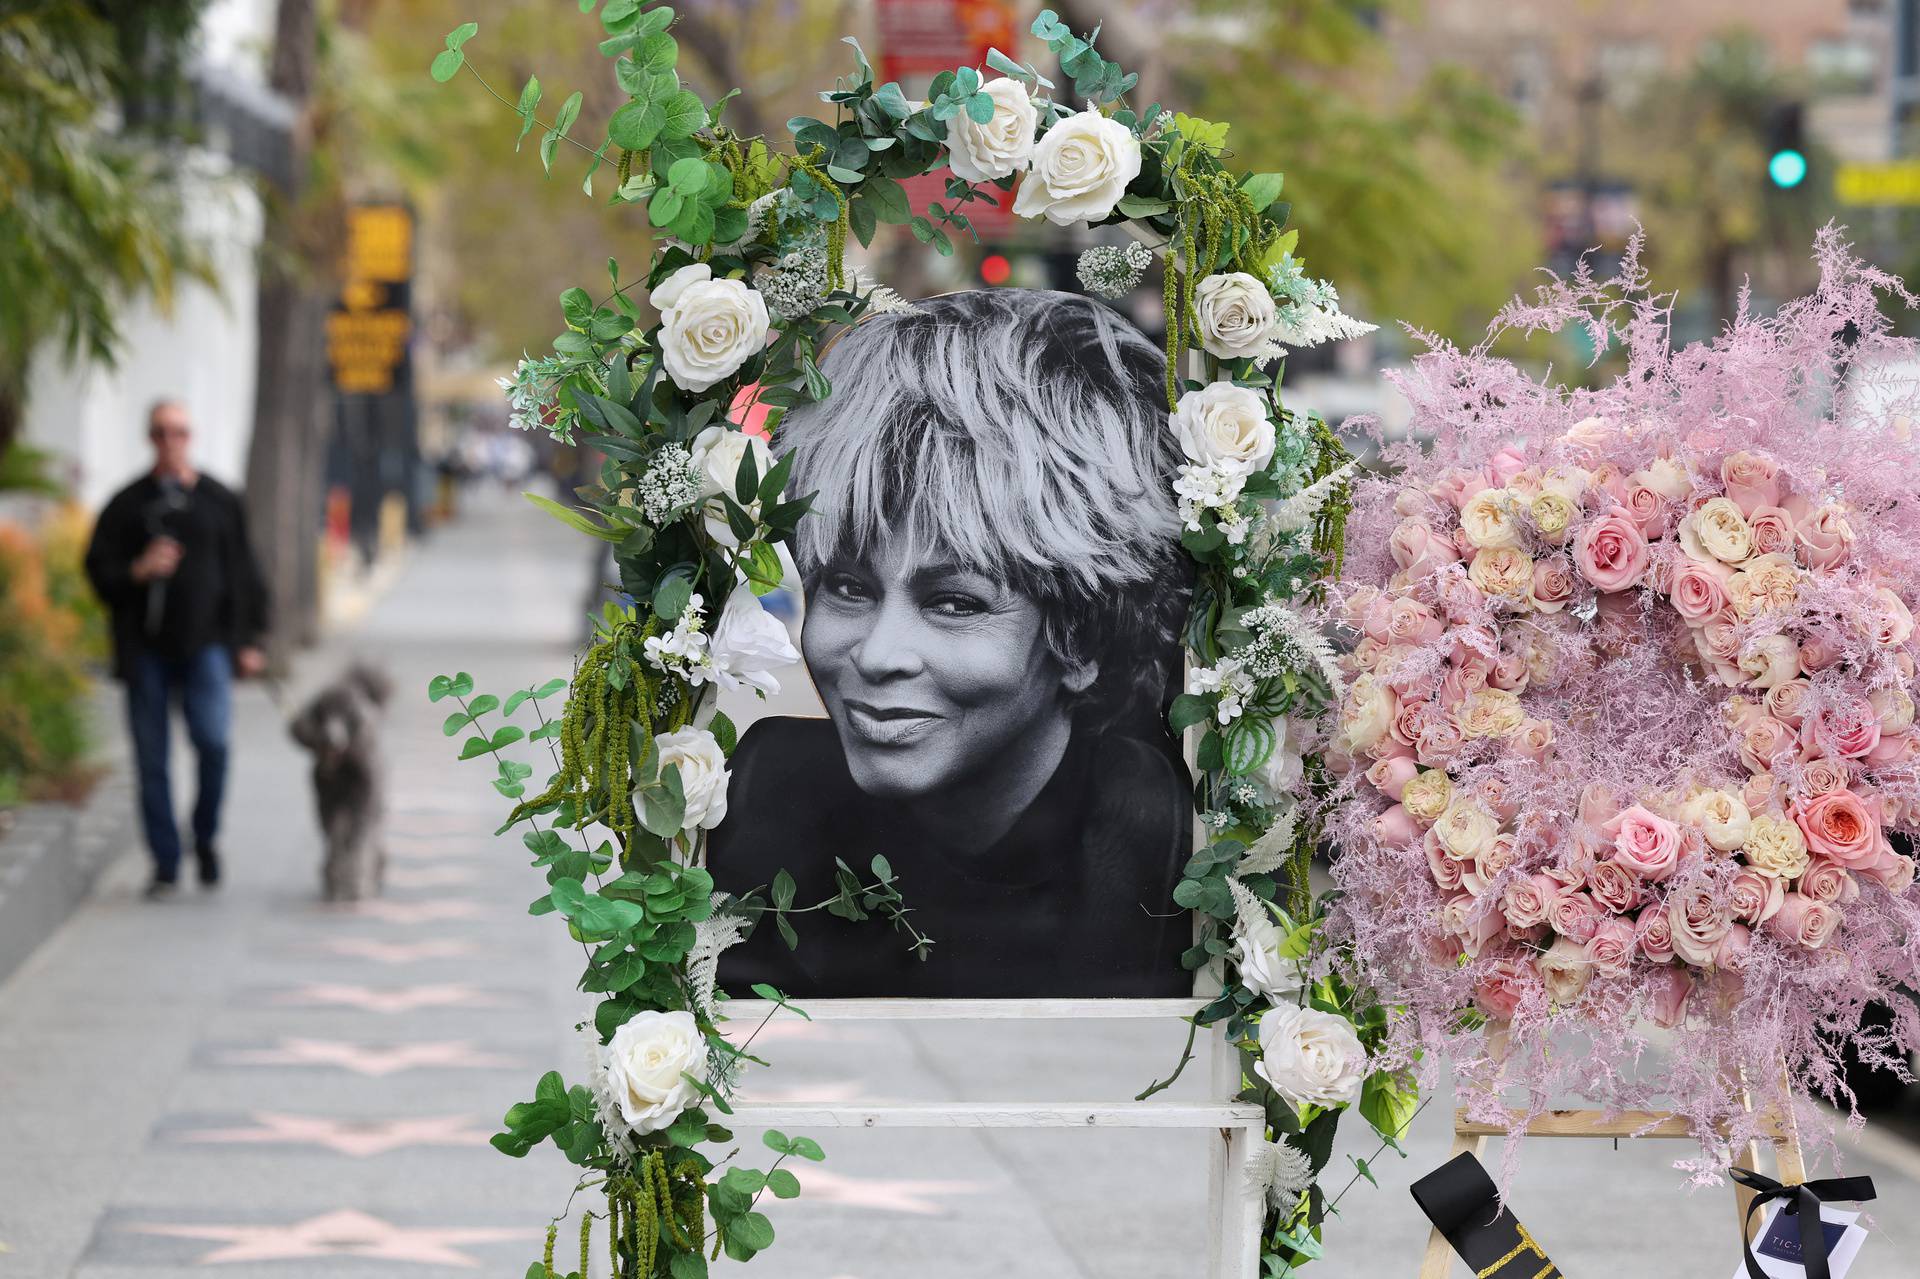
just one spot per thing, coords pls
(928, 670)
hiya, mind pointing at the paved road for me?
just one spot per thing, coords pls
(249, 1083)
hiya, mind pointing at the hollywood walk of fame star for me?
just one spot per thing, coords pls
(399, 952)
(397, 999)
(430, 911)
(428, 876)
(358, 1138)
(372, 1059)
(921, 1198)
(343, 1232)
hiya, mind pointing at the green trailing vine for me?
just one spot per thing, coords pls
(756, 237)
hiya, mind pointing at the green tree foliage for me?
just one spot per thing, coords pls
(88, 212)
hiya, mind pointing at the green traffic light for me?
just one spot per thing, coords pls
(1787, 168)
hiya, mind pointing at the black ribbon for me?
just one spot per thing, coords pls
(1803, 1200)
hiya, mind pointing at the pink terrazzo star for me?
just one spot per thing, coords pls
(426, 912)
(341, 1233)
(372, 1059)
(398, 999)
(920, 1198)
(399, 952)
(358, 1138)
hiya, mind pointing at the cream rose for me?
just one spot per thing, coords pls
(1552, 511)
(1717, 530)
(1505, 571)
(1466, 829)
(1664, 476)
(1565, 969)
(1775, 846)
(703, 774)
(1224, 425)
(1722, 817)
(1770, 661)
(1487, 520)
(1310, 1057)
(1491, 712)
(1235, 313)
(1367, 714)
(1894, 708)
(1081, 168)
(645, 1063)
(1767, 582)
(708, 327)
(1001, 147)
(1427, 795)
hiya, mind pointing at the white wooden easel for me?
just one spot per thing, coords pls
(1234, 1212)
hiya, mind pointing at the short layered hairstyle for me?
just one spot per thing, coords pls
(1022, 434)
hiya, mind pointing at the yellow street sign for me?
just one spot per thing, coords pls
(1894, 182)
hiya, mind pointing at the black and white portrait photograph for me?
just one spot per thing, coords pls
(993, 593)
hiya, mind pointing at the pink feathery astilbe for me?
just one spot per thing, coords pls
(1629, 741)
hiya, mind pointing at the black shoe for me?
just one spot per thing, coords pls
(161, 890)
(207, 862)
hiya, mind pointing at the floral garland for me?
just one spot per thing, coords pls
(750, 281)
(1632, 715)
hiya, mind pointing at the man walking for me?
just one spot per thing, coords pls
(171, 559)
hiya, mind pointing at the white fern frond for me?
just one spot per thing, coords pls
(1279, 1174)
(1296, 512)
(1306, 637)
(711, 936)
(1269, 852)
(1311, 326)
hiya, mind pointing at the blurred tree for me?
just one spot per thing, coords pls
(1404, 192)
(1705, 186)
(89, 213)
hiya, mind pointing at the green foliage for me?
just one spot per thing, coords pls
(43, 687)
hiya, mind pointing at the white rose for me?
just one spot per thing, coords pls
(1001, 147)
(1775, 846)
(1721, 815)
(1236, 315)
(1565, 969)
(644, 1063)
(1284, 767)
(1664, 476)
(708, 327)
(1224, 424)
(1080, 170)
(1367, 715)
(1488, 521)
(1311, 1058)
(1465, 829)
(1717, 531)
(1256, 954)
(716, 454)
(703, 774)
(748, 643)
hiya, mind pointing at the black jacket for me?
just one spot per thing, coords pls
(218, 595)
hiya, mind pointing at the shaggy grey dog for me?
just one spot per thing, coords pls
(341, 726)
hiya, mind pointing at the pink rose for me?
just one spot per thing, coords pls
(1772, 531)
(1700, 920)
(1411, 622)
(1506, 464)
(1667, 1000)
(1418, 550)
(1461, 600)
(1762, 738)
(1802, 921)
(1699, 590)
(1825, 537)
(1376, 616)
(1818, 651)
(1827, 881)
(1655, 932)
(1614, 887)
(1893, 623)
(1588, 438)
(1552, 584)
(1574, 915)
(1410, 718)
(1564, 969)
(1718, 644)
(1731, 953)
(1757, 792)
(1527, 901)
(1894, 748)
(1608, 477)
(1840, 826)
(1611, 552)
(1439, 741)
(1457, 488)
(1498, 797)
(1893, 871)
(1507, 983)
(1824, 774)
(1647, 509)
(1752, 480)
(1447, 870)
(1598, 805)
(1612, 946)
(1644, 843)
(1511, 672)
(1390, 776)
(1756, 897)
(1787, 701)
(1394, 828)
(1462, 917)
(1534, 741)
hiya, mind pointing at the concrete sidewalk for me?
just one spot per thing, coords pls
(253, 1084)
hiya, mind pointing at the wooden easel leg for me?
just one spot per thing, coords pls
(1438, 1263)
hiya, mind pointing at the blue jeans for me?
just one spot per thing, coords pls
(203, 683)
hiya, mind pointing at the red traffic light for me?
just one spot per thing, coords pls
(995, 269)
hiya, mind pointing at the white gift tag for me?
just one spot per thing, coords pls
(1777, 1246)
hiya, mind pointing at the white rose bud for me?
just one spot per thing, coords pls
(1311, 1058)
(1081, 168)
(748, 643)
(703, 774)
(644, 1064)
(1236, 315)
(1001, 147)
(716, 454)
(708, 327)
(1226, 424)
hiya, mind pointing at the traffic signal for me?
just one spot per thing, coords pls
(1786, 146)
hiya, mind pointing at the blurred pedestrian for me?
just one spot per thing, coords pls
(171, 560)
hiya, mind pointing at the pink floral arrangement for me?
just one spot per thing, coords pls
(1629, 738)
